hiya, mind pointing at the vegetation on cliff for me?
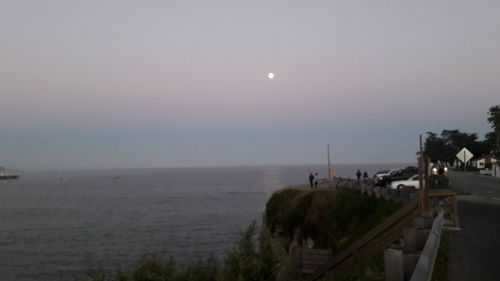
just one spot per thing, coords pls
(332, 219)
(369, 270)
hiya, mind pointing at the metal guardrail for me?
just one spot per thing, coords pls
(425, 265)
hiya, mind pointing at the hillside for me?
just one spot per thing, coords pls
(332, 219)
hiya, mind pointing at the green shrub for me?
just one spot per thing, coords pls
(440, 272)
(297, 215)
(278, 201)
(152, 268)
(370, 270)
(254, 257)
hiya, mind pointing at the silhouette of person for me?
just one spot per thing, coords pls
(358, 174)
(311, 179)
(365, 177)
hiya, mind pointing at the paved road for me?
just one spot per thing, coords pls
(475, 250)
(475, 184)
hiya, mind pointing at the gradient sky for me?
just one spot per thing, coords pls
(110, 84)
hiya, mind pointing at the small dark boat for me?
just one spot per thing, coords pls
(7, 176)
(4, 176)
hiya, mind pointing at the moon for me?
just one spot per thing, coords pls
(270, 75)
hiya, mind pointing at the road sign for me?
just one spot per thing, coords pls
(464, 155)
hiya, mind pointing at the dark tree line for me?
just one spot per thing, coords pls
(494, 120)
(442, 149)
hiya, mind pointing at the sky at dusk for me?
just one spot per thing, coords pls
(124, 84)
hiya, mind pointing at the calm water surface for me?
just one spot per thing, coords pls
(53, 224)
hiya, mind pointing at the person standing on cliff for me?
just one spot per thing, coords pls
(311, 179)
(316, 178)
(365, 177)
(358, 174)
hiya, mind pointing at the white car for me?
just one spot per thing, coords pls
(413, 181)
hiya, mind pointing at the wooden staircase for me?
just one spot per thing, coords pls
(312, 259)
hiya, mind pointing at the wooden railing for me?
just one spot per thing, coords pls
(446, 200)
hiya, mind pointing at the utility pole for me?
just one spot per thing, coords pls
(423, 178)
(329, 166)
(465, 162)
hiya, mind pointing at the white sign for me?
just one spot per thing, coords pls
(464, 155)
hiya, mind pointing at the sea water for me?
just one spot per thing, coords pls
(54, 224)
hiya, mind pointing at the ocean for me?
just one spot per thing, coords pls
(54, 224)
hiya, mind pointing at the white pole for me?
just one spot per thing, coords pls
(465, 162)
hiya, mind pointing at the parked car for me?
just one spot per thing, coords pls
(412, 181)
(439, 181)
(435, 169)
(410, 170)
(379, 175)
(391, 172)
(395, 176)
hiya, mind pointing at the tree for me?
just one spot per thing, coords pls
(253, 258)
(490, 139)
(457, 139)
(494, 120)
(443, 149)
(435, 148)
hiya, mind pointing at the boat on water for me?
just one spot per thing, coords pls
(7, 176)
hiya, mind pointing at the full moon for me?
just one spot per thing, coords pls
(270, 75)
